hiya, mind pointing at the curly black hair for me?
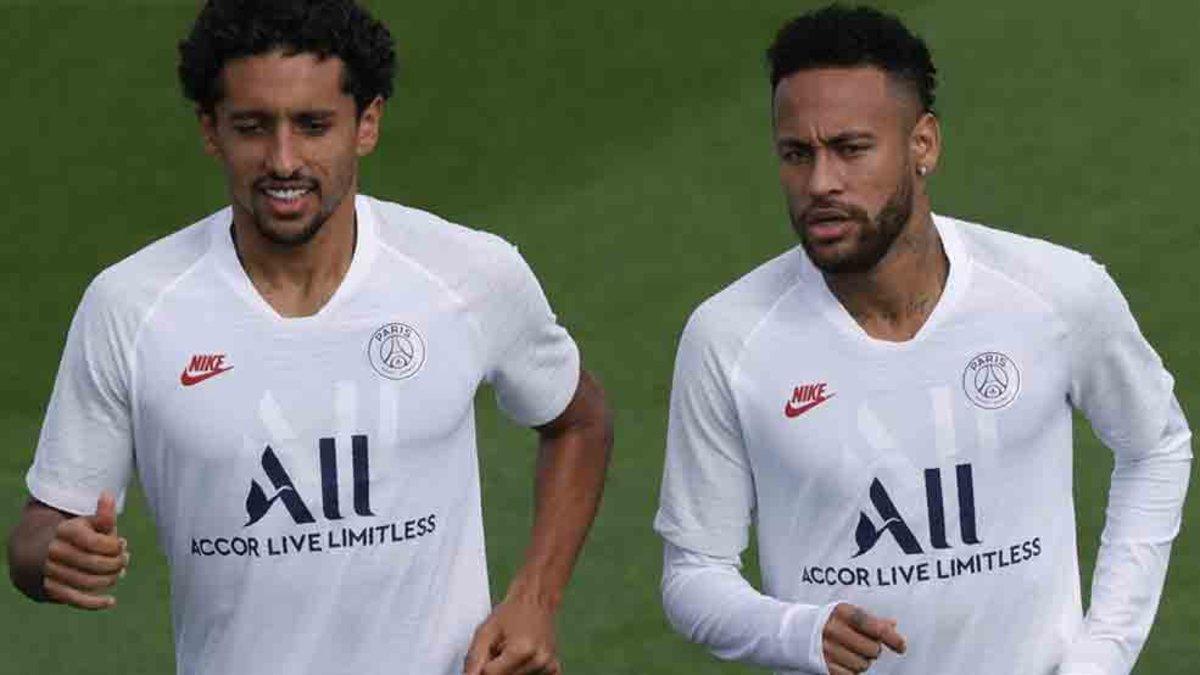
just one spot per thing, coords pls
(231, 29)
(835, 36)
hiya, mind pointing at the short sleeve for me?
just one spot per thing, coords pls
(86, 445)
(533, 364)
(707, 498)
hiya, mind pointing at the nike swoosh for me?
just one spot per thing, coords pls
(800, 410)
(188, 380)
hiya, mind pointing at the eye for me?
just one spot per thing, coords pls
(850, 150)
(314, 127)
(248, 127)
(795, 155)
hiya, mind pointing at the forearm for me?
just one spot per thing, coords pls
(571, 466)
(28, 544)
(1143, 517)
(708, 601)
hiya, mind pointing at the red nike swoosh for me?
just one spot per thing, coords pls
(800, 410)
(188, 380)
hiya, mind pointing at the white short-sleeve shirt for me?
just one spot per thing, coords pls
(314, 480)
(930, 480)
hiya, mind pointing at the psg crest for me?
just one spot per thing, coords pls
(396, 351)
(991, 380)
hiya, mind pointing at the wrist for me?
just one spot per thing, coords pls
(534, 590)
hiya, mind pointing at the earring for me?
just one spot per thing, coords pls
(921, 171)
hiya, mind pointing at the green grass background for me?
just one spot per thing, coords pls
(624, 145)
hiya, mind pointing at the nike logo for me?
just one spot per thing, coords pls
(805, 398)
(203, 367)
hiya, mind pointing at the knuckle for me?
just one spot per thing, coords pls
(57, 548)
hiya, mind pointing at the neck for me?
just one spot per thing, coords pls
(893, 299)
(298, 280)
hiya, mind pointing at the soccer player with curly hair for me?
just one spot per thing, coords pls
(294, 377)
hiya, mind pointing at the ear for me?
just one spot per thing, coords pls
(208, 130)
(367, 134)
(926, 144)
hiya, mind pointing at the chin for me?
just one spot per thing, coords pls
(837, 259)
(288, 233)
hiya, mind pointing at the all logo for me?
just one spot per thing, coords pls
(991, 380)
(285, 492)
(805, 398)
(890, 521)
(396, 351)
(202, 367)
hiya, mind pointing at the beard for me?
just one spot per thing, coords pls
(875, 236)
(289, 237)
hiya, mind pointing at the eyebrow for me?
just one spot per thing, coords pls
(264, 114)
(837, 139)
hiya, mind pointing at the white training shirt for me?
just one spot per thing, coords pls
(314, 480)
(928, 481)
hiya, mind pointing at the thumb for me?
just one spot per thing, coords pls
(105, 520)
(893, 639)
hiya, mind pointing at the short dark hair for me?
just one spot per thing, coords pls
(231, 29)
(838, 36)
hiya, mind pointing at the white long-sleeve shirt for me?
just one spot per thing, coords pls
(928, 481)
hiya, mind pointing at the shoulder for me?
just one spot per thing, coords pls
(725, 321)
(1064, 279)
(131, 286)
(454, 254)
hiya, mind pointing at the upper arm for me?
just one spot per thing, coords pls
(1118, 381)
(86, 442)
(530, 360)
(587, 408)
(707, 496)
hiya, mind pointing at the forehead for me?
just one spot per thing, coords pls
(279, 81)
(839, 98)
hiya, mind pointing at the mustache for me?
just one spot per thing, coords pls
(293, 182)
(831, 209)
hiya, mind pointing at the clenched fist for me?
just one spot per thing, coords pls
(86, 558)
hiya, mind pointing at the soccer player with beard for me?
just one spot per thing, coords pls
(296, 375)
(890, 406)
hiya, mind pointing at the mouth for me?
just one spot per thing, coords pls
(827, 225)
(286, 200)
(286, 194)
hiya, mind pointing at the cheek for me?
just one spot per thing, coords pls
(877, 181)
(794, 181)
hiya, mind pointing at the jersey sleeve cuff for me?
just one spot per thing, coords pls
(79, 503)
(557, 388)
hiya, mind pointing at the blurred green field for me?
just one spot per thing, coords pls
(625, 147)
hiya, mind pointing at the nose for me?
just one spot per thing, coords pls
(825, 177)
(283, 157)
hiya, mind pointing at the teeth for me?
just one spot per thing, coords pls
(286, 195)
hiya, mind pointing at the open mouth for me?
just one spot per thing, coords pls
(286, 194)
(827, 226)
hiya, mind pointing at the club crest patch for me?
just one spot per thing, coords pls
(396, 351)
(991, 380)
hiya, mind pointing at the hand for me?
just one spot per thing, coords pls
(85, 557)
(517, 639)
(853, 639)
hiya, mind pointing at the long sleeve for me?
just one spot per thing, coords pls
(1121, 386)
(708, 601)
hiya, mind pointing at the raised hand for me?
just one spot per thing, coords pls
(853, 639)
(86, 557)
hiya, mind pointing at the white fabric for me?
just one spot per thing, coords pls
(709, 601)
(318, 501)
(928, 481)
